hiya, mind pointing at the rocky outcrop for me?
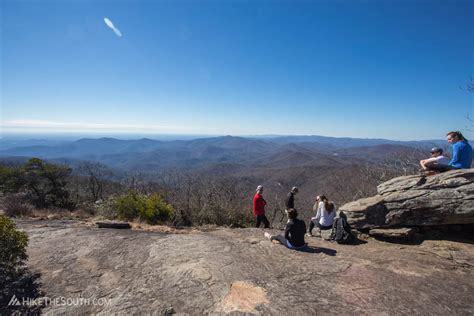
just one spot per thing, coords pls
(446, 198)
(240, 272)
(398, 233)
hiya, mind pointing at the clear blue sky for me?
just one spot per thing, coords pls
(388, 69)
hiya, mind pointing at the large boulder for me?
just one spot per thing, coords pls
(445, 198)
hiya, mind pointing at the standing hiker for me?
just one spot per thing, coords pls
(290, 198)
(259, 208)
(290, 201)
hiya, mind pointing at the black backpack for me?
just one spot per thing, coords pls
(341, 230)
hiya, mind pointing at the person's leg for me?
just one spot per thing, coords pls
(287, 219)
(265, 221)
(280, 239)
(439, 168)
(321, 227)
(259, 221)
(311, 227)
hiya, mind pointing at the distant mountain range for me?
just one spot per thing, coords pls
(343, 168)
(205, 153)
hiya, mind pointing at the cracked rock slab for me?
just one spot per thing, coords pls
(239, 271)
(442, 199)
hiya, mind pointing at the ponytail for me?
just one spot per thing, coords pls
(329, 206)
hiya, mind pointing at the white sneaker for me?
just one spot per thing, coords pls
(267, 235)
(309, 235)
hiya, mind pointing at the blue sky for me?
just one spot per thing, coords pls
(374, 69)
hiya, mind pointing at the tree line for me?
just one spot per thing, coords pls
(181, 197)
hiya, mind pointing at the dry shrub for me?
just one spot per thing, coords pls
(16, 205)
(51, 213)
(82, 213)
(106, 208)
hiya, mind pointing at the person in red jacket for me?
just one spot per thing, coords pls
(259, 208)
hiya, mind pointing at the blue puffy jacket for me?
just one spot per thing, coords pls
(462, 155)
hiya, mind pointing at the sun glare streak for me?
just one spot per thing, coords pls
(112, 27)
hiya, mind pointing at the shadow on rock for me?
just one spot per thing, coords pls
(326, 251)
(20, 292)
(417, 235)
(356, 241)
(457, 233)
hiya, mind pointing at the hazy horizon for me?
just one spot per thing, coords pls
(164, 137)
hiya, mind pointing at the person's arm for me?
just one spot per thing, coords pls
(455, 158)
(335, 212)
(320, 210)
(287, 231)
(287, 201)
(315, 210)
(430, 160)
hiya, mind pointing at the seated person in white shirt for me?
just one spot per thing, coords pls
(325, 213)
(437, 162)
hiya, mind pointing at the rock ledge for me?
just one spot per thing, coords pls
(442, 199)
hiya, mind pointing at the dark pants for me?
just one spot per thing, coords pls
(285, 241)
(281, 239)
(262, 218)
(439, 168)
(311, 226)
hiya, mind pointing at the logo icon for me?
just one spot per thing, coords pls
(14, 301)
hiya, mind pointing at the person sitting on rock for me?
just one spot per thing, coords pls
(462, 151)
(294, 232)
(436, 163)
(259, 208)
(325, 213)
(462, 154)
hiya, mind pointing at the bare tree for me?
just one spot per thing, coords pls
(96, 174)
(470, 85)
(470, 88)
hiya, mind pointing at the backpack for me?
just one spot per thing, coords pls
(341, 230)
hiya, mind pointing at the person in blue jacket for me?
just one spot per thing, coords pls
(462, 151)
